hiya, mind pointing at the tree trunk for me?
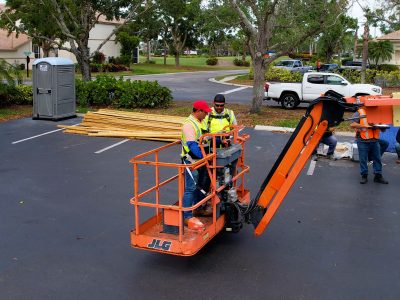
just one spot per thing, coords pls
(244, 51)
(148, 50)
(46, 47)
(85, 69)
(364, 52)
(355, 45)
(165, 54)
(259, 78)
(177, 64)
(82, 56)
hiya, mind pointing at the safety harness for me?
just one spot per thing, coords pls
(213, 115)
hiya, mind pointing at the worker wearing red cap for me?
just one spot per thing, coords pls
(191, 132)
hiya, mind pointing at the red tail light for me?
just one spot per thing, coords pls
(266, 86)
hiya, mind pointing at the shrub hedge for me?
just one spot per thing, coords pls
(373, 76)
(241, 63)
(107, 67)
(121, 60)
(107, 90)
(388, 68)
(18, 94)
(212, 61)
(282, 75)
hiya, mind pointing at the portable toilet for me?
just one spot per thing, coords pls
(53, 88)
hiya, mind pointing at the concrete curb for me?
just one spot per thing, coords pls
(288, 129)
(227, 83)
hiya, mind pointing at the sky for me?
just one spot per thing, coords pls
(355, 11)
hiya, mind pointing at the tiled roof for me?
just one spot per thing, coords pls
(12, 42)
(391, 36)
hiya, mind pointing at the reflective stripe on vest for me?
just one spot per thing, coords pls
(197, 129)
(369, 133)
(216, 123)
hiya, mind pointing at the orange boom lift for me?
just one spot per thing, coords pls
(159, 211)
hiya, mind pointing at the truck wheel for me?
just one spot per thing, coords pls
(289, 101)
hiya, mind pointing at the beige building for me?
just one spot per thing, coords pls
(394, 38)
(15, 49)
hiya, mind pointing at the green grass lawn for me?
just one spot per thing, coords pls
(187, 64)
(192, 61)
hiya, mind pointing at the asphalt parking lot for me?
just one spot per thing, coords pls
(65, 220)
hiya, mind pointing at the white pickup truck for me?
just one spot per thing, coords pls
(290, 95)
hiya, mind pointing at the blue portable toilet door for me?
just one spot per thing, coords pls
(44, 90)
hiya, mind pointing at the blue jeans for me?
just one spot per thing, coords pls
(383, 145)
(397, 146)
(330, 141)
(372, 149)
(192, 194)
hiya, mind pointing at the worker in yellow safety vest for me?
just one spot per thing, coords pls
(367, 138)
(220, 116)
(194, 192)
(217, 121)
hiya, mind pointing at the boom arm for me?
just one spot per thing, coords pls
(322, 113)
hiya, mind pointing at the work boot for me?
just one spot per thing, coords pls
(364, 179)
(379, 179)
(194, 224)
(330, 157)
(203, 212)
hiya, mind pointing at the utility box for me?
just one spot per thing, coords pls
(53, 88)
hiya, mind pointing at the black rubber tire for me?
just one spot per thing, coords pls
(289, 100)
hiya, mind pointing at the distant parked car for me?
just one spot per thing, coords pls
(293, 65)
(329, 67)
(353, 65)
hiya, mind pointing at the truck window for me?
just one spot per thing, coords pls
(332, 79)
(285, 63)
(316, 79)
(297, 64)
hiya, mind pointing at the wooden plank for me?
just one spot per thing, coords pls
(114, 123)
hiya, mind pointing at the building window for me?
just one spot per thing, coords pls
(36, 50)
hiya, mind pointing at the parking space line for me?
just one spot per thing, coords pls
(235, 90)
(35, 136)
(311, 168)
(112, 146)
(39, 135)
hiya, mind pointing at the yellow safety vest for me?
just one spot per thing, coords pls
(197, 129)
(369, 133)
(216, 123)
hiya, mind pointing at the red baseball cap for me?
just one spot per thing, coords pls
(201, 105)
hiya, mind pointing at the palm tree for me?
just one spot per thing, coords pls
(9, 73)
(6, 73)
(381, 50)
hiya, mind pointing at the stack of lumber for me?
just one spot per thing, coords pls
(133, 125)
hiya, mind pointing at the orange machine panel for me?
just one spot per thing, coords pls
(171, 217)
(380, 109)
